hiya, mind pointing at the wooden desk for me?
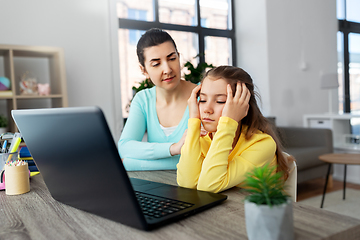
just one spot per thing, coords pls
(36, 215)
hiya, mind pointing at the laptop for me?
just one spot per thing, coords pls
(76, 154)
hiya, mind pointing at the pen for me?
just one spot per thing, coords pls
(14, 144)
(3, 149)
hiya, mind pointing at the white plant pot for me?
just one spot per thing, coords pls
(263, 222)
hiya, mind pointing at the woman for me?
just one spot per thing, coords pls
(161, 111)
(240, 138)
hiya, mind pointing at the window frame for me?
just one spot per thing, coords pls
(347, 27)
(202, 32)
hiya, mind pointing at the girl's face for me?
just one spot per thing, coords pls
(162, 65)
(213, 94)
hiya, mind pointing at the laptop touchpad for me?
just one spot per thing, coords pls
(143, 185)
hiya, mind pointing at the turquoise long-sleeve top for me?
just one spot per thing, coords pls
(155, 153)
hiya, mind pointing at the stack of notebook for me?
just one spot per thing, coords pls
(25, 155)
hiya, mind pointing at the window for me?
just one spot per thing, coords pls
(199, 27)
(349, 57)
(136, 14)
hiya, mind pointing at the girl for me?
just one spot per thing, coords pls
(240, 137)
(161, 111)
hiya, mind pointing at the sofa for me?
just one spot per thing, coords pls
(306, 145)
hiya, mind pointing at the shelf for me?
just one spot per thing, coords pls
(45, 64)
(38, 96)
(340, 124)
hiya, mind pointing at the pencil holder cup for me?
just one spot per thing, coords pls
(4, 158)
(17, 179)
(2, 161)
(7, 157)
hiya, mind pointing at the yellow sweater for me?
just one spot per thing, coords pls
(208, 165)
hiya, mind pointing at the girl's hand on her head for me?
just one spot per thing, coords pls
(193, 103)
(236, 107)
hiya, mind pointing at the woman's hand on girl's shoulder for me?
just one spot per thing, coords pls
(193, 103)
(237, 106)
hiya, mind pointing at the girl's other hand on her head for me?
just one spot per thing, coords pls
(193, 103)
(236, 107)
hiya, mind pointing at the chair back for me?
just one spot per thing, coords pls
(291, 182)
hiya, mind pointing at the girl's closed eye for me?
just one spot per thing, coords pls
(202, 100)
(221, 99)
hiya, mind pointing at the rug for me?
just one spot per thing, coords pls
(334, 202)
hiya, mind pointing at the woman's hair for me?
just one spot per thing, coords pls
(150, 38)
(254, 119)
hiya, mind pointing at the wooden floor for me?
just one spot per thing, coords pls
(316, 187)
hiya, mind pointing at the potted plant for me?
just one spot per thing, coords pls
(195, 74)
(3, 124)
(143, 85)
(268, 209)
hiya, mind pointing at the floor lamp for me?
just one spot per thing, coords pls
(329, 81)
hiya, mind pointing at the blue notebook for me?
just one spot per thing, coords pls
(25, 155)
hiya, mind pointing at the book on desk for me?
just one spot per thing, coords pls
(24, 154)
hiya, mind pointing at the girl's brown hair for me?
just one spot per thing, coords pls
(254, 119)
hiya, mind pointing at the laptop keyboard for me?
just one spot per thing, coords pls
(156, 207)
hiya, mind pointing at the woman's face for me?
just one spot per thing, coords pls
(162, 65)
(213, 94)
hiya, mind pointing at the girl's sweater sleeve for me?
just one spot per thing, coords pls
(221, 171)
(189, 166)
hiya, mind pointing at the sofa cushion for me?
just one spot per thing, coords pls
(307, 157)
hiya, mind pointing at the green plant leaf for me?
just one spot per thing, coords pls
(196, 73)
(265, 186)
(3, 121)
(143, 85)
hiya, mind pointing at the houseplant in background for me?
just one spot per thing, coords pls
(195, 73)
(268, 209)
(142, 85)
(147, 83)
(3, 124)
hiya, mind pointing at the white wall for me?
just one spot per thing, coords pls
(84, 29)
(252, 46)
(285, 46)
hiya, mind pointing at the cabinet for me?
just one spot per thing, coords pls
(46, 64)
(340, 124)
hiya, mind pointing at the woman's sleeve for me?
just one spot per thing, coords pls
(189, 166)
(130, 144)
(220, 173)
